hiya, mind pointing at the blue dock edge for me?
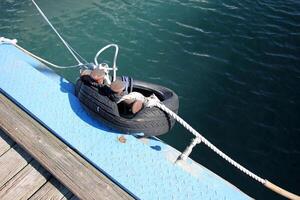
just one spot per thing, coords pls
(142, 170)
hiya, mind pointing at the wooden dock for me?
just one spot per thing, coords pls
(22, 177)
(34, 164)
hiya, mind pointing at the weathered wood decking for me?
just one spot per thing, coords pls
(34, 164)
(22, 177)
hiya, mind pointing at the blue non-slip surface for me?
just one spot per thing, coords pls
(145, 172)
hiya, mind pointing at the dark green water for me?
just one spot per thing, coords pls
(235, 65)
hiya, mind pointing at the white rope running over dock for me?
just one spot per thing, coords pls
(209, 144)
(154, 101)
(4, 40)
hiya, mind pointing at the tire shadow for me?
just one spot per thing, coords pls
(69, 88)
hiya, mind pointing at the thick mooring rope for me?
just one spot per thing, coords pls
(208, 143)
(154, 101)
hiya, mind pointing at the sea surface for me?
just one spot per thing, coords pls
(235, 65)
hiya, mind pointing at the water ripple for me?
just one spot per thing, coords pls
(231, 7)
(206, 56)
(191, 27)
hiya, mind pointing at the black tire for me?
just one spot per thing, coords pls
(150, 121)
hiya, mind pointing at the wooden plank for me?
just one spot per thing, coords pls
(25, 183)
(5, 143)
(12, 162)
(53, 190)
(79, 176)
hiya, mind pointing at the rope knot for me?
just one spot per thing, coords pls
(151, 101)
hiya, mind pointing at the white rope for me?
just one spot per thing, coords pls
(133, 96)
(49, 63)
(85, 61)
(60, 37)
(209, 144)
(154, 101)
(4, 40)
(185, 154)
